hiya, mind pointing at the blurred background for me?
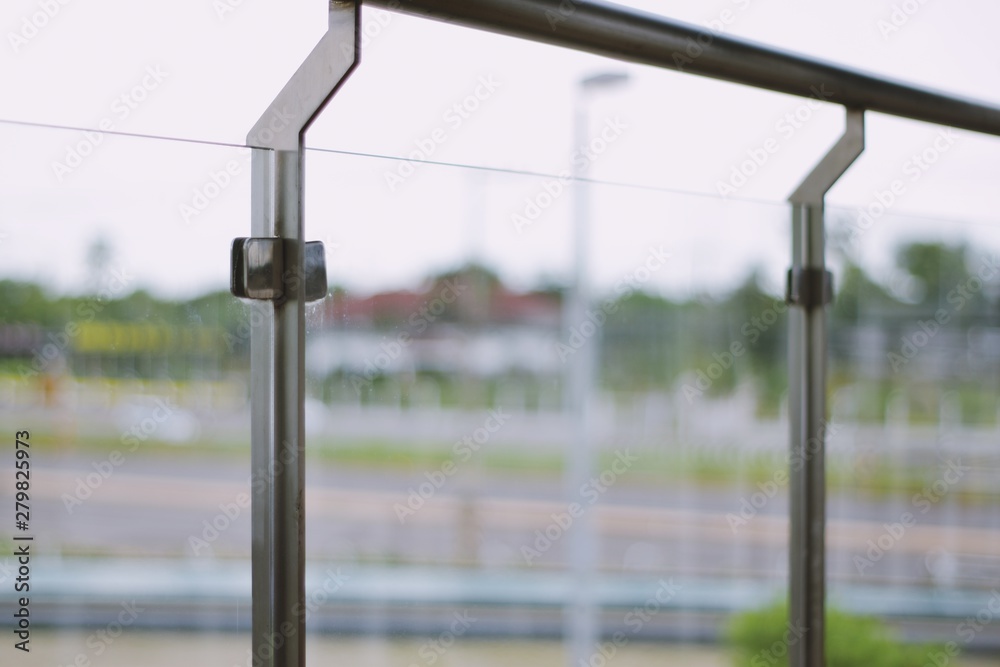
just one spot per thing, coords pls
(449, 366)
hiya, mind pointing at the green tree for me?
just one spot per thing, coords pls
(858, 297)
(940, 268)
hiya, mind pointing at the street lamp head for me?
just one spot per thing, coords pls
(603, 80)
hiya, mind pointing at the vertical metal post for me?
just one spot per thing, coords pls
(261, 410)
(278, 347)
(807, 403)
(810, 289)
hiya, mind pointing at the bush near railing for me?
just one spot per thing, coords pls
(762, 637)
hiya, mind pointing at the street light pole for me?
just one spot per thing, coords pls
(581, 619)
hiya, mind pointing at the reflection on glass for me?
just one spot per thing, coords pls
(124, 359)
(915, 361)
(437, 373)
(436, 422)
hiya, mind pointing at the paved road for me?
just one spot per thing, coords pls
(197, 507)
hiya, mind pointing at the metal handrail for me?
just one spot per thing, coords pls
(631, 35)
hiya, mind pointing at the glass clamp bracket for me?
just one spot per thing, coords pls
(257, 270)
(809, 287)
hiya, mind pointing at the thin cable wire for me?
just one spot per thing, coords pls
(500, 170)
(119, 133)
(395, 158)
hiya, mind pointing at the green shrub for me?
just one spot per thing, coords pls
(761, 639)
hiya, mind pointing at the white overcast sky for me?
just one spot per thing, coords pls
(684, 134)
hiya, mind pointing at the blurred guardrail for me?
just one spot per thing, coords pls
(200, 594)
